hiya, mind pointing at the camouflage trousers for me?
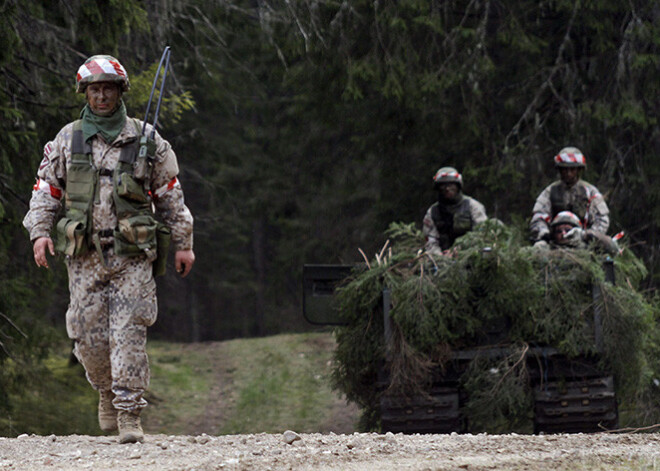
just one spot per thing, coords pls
(109, 311)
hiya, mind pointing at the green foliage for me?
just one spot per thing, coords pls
(102, 24)
(445, 304)
(500, 396)
(53, 397)
(34, 391)
(173, 105)
(24, 338)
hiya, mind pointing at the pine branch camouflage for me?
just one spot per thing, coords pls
(442, 304)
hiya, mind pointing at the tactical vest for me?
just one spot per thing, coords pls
(560, 202)
(137, 230)
(451, 221)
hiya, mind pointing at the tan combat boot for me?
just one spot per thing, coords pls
(130, 430)
(107, 412)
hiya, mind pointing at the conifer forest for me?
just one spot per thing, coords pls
(305, 128)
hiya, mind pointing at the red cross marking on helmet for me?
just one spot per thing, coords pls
(118, 68)
(94, 67)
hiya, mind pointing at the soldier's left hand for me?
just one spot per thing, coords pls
(183, 261)
(575, 234)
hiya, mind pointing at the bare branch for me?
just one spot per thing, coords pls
(13, 325)
(533, 105)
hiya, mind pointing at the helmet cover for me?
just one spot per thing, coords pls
(570, 157)
(447, 175)
(565, 217)
(101, 68)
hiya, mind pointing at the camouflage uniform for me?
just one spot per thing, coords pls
(588, 239)
(582, 198)
(463, 215)
(113, 298)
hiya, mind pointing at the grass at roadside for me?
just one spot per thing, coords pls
(240, 386)
(283, 384)
(245, 386)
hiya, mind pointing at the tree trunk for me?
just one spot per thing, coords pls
(259, 253)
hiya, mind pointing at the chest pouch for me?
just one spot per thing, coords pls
(130, 189)
(462, 223)
(135, 233)
(72, 230)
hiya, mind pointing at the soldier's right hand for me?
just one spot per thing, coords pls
(541, 244)
(39, 249)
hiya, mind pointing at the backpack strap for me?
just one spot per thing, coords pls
(129, 152)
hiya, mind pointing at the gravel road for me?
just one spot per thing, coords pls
(357, 452)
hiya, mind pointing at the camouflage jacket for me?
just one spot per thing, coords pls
(50, 187)
(582, 239)
(583, 199)
(458, 219)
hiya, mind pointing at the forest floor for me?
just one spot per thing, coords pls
(266, 404)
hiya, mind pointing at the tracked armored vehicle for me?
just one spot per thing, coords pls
(569, 394)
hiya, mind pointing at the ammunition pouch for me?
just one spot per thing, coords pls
(163, 238)
(70, 237)
(129, 189)
(142, 234)
(462, 222)
(71, 230)
(136, 235)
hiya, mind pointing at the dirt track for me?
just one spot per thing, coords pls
(336, 452)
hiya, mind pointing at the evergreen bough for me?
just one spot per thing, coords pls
(443, 304)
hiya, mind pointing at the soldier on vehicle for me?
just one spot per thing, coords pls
(109, 182)
(569, 193)
(453, 215)
(567, 233)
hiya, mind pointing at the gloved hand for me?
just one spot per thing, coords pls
(575, 235)
(541, 244)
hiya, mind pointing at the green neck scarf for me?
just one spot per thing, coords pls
(108, 127)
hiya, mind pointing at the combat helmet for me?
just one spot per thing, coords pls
(570, 157)
(566, 217)
(447, 175)
(101, 68)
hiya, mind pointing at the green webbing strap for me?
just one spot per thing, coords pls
(97, 245)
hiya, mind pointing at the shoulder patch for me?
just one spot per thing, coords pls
(49, 154)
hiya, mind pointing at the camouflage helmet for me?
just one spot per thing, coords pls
(565, 217)
(570, 157)
(447, 175)
(101, 68)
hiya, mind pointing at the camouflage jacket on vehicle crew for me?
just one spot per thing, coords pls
(443, 223)
(586, 239)
(165, 189)
(582, 198)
